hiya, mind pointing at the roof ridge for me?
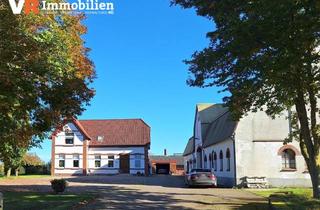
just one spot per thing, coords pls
(223, 113)
(110, 119)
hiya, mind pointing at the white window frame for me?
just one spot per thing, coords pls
(97, 158)
(76, 157)
(111, 160)
(69, 135)
(137, 161)
(62, 157)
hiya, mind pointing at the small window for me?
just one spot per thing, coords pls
(69, 138)
(97, 161)
(228, 159)
(288, 159)
(137, 163)
(76, 161)
(61, 161)
(110, 161)
(100, 138)
(221, 160)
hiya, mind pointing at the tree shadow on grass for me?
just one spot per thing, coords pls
(293, 201)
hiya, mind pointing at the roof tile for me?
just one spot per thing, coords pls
(122, 132)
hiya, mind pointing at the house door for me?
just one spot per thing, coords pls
(124, 163)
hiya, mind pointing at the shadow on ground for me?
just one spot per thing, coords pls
(163, 192)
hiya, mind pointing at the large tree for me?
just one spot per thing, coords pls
(265, 53)
(45, 74)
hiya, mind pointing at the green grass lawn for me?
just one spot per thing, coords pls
(43, 201)
(289, 198)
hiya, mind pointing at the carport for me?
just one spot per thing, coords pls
(162, 168)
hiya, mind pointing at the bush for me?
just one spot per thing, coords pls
(41, 169)
(58, 185)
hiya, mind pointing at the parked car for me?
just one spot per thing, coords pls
(201, 177)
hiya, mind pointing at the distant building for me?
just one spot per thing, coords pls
(83, 147)
(167, 164)
(250, 147)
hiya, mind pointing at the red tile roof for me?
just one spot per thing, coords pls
(122, 132)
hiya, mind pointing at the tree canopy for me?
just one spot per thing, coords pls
(45, 74)
(266, 54)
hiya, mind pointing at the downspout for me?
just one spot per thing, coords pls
(234, 158)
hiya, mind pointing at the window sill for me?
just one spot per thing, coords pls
(288, 170)
(305, 172)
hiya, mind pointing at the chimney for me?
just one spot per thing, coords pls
(165, 152)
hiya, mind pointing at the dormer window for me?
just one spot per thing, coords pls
(69, 138)
(100, 138)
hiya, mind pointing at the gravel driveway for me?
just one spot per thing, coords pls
(156, 192)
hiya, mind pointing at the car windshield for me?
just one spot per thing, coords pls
(200, 170)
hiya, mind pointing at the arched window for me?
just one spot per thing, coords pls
(205, 161)
(221, 160)
(194, 163)
(228, 159)
(199, 158)
(210, 161)
(288, 159)
(215, 161)
(188, 166)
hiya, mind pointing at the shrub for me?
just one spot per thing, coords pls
(58, 185)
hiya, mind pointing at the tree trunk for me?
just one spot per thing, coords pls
(8, 172)
(307, 144)
(314, 173)
(17, 172)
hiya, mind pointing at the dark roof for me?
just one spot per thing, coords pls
(220, 129)
(209, 112)
(177, 158)
(120, 132)
(216, 125)
(189, 148)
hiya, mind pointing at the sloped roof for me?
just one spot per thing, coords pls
(189, 148)
(76, 123)
(216, 125)
(119, 132)
(209, 112)
(177, 158)
(220, 129)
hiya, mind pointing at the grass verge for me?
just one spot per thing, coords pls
(289, 198)
(24, 176)
(44, 201)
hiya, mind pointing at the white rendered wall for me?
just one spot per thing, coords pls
(68, 151)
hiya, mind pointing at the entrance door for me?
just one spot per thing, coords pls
(124, 163)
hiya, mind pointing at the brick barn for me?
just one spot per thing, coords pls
(167, 164)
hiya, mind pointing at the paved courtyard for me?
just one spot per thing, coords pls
(156, 192)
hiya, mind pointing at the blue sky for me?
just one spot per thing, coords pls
(138, 55)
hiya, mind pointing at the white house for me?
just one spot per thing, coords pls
(250, 147)
(81, 147)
